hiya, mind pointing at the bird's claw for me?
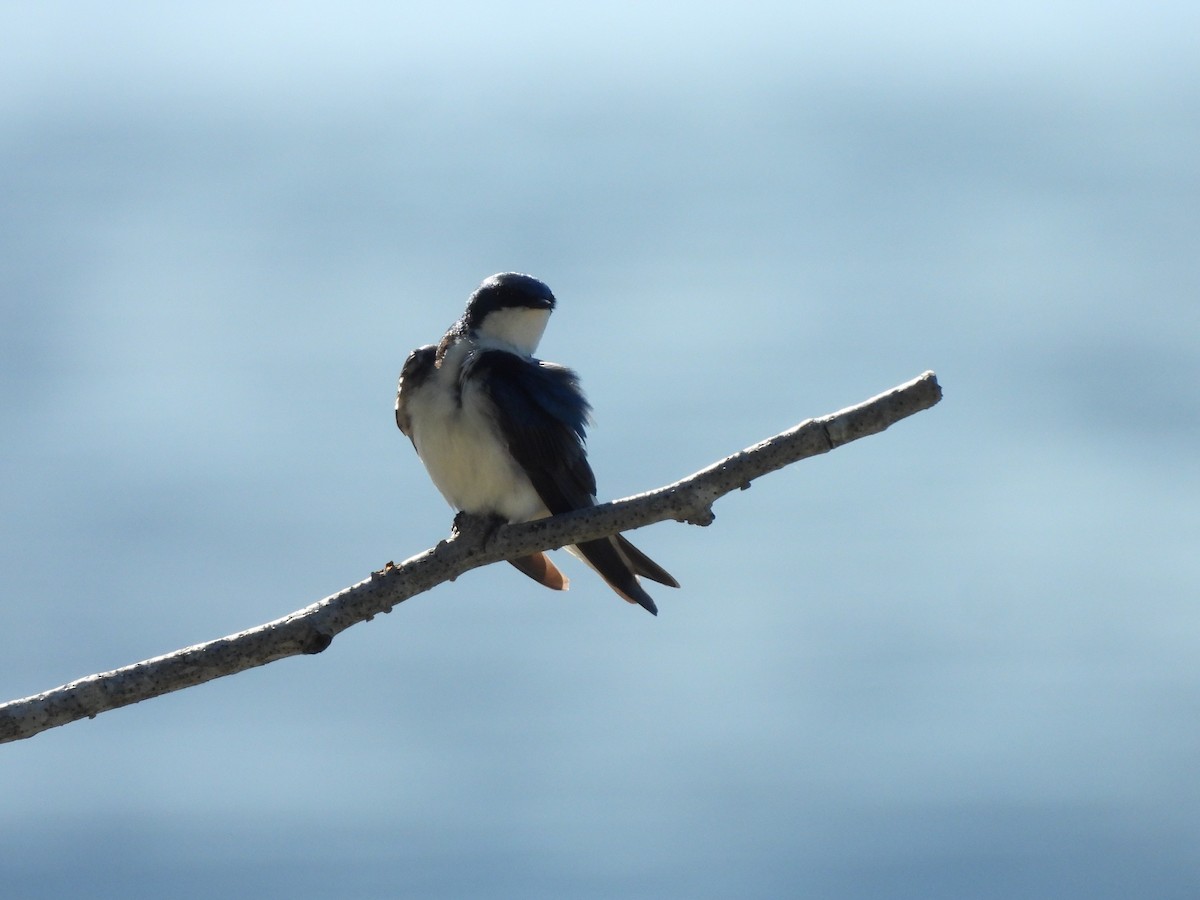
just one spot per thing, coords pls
(483, 528)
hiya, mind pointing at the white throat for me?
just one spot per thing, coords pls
(520, 329)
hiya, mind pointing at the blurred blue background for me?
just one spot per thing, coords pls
(959, 659)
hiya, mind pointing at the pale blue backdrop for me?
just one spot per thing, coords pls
(960, 659)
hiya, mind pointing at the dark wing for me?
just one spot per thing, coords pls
(543, 416)
(417, 368)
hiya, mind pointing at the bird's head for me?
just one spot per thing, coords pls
(510, 309)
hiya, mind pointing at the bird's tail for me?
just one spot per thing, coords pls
(539, 567)
(619, 563)
(644, 565)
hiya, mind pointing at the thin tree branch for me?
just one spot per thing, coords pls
(312, 629)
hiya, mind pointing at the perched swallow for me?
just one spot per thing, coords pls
(502, 433)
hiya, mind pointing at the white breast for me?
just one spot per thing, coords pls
(462, 449)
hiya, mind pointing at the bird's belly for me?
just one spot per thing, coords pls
(471, 466)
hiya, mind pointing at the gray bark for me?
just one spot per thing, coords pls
(312, 629)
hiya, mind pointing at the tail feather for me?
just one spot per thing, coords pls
(644, 565)
(619, 568)
(539, 567)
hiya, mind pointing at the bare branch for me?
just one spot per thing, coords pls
(310, 630)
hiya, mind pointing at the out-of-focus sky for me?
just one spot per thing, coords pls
(959, 659)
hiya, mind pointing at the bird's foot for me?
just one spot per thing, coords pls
(481, 528)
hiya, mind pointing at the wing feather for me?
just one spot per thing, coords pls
(543, 415)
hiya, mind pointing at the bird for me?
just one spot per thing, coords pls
(502, 433)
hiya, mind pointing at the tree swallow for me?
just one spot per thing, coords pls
(502, 433)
